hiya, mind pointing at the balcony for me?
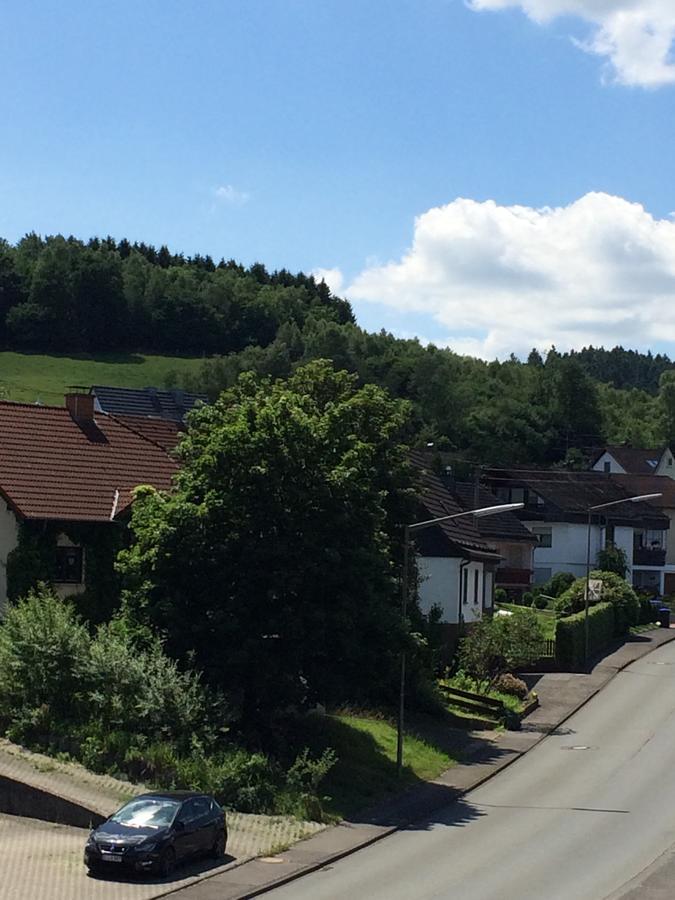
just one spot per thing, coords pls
(649, 556)
(509, 577)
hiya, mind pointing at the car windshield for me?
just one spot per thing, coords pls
(149, 812)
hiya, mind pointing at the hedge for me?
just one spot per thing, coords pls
(570, 636)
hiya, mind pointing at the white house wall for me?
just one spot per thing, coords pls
(614, 467)
(439, 586)
(666, 464)
(9, 538)
(472, 612)
(623, 538)
(568, 549)
(567, 552)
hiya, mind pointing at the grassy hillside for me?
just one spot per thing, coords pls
(30, 377)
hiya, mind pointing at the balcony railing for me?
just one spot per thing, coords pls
(649, 556)
(510, 576)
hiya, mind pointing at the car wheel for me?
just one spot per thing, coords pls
(218, 849)
(167, 862)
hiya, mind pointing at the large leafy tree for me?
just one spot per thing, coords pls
(274, 560)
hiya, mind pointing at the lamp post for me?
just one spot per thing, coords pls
(591, 510)
(407, 531)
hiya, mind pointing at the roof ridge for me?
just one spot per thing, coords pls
(26, 405)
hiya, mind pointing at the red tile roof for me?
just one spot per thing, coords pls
(54, 467)
(164, 432)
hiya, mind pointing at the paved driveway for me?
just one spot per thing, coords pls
(41, 861)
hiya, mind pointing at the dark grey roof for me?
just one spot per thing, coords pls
(449, 538)
(633, 460)
(504, 526)
(567, 496)
(161, 404)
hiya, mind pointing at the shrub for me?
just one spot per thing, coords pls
(613, 559)
(558, 584)
(614, 590)
(570, 635)
(509, 684)
(495, 646)
(142, 691)
(124, 708)
(44, 649)
(527, 598)
(540, 602)
(501, 596)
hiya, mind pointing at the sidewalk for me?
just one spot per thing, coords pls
(561, 694)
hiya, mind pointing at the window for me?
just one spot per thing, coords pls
(475, 586)
(544, 536)
(465, 586)
(609, 535)
(606, 467)
(68, 568)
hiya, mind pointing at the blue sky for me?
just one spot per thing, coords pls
(310, 134)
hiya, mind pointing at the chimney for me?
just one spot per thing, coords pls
(81, 407)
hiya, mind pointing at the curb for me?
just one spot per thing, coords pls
(389, 830)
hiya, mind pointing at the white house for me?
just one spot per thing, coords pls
(635, 461)
(556, 511)
(456, 563)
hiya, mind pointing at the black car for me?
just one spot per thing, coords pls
(152, 832)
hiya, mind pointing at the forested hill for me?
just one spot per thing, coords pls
(624, 368)
(61, 295)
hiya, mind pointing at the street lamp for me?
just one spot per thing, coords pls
(407, 531)
(591, 510)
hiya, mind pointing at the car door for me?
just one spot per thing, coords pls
(185, 833)
(204, 830)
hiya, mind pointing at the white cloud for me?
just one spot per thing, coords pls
(333, 278)
(503, 279)
(230, 195)
(636, 36)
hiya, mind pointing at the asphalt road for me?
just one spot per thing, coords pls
(577, 818)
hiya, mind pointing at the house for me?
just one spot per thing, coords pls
(623, 460)
(172, 405)
(654, 551)
(456, 563)
(513, 541)
(556, 512)
(66, 478)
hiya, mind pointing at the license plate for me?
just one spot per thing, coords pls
(112, 857)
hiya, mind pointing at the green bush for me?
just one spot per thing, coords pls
(614, 590)
(527, 599)
(557, 584)
(502, 644)
(501, 596)
(142, 691)
(44, 652)
(127, 709)
(570, 635)
(540, 602)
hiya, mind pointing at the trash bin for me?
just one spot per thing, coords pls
(664, 617)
